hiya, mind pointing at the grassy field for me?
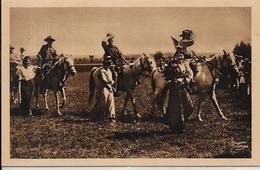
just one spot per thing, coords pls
(47, 136)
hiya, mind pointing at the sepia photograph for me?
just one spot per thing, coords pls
(130, 82)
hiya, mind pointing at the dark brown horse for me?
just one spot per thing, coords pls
(57, 74)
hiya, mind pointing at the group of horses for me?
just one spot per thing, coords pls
(206, 79)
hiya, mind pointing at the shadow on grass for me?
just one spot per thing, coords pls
(15, 111)
(229, 154)
(242, 118)
(133, 135)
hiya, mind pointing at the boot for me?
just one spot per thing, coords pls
(116, 92)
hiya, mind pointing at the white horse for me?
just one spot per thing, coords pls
(127, 82)
(57, 74)
(205, 80)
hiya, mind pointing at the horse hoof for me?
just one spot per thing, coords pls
(200, 119)
(225, 118)
(47, 109)
(59, 114)
(138, 116)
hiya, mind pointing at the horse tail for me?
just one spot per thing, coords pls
(91, 85)
(153, 81)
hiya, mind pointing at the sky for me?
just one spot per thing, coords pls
(79, 31)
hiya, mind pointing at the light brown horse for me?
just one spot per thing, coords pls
(205, 81)
(127, 82)
(57, 74)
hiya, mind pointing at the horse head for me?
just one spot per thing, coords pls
(147, 63)
(231, 62)
(68, 65)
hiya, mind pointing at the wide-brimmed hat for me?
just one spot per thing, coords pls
(186, 33)
(110, 36)
(49, 39)
(22, 49)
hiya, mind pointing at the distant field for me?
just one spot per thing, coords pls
(47, 136)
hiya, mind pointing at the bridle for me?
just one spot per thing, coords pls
(144, 71)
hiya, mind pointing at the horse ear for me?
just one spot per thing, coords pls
(175, 42)
(145, 56)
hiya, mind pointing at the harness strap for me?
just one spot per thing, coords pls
(54, 65)
(208, 64)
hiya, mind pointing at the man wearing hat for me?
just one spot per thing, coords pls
(116, 55)
(47, 56)
(21, 53)
(47, 53)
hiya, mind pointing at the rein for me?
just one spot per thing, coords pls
(60, 72)
(209, 65)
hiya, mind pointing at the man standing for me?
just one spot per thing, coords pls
(105, 104)
(26, 73)
(117, 57)
(13, 57)
(21, 53)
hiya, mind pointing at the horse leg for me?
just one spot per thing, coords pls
(215, 102)
(125, 103)
(134, 105)
(45, 99)
(200, 101)
(63, 97)
(37, 99)
(155, 101)
(57, 102)
(163, 102)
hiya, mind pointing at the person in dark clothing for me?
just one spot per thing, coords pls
(26, 73)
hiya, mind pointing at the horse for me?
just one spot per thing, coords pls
(205, 80)
(57, 74)
(14, 82)
(131, 75)
(230, 78)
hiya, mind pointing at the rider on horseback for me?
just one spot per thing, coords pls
(47, 54)
(47, 57)
(117, 58)
(188, 57)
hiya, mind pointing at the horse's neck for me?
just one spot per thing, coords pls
(136, 68)
(216, 62)
(57, 71)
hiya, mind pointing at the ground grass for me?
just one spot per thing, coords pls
(47, 136)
